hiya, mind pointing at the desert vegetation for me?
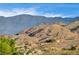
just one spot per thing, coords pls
(7, 46)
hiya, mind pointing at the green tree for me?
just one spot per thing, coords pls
(7, 46)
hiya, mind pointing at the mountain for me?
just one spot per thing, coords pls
(15, 24)
(74, 26)
(47, 39)
(47, 31)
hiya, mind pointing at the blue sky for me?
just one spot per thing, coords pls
(48, 10)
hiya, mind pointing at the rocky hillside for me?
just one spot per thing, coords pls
(47, 39)
(74, 26)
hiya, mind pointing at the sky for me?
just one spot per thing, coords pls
(42, 9)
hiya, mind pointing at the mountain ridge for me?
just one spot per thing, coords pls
(15, 24)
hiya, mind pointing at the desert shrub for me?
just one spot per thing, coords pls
(7, 46)
(72, 45)
(70, 52)
(69, 47)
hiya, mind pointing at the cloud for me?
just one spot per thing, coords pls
(55, 15)
(31, 11)
(17, 11)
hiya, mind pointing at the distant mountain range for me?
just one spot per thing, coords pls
(15, 24)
